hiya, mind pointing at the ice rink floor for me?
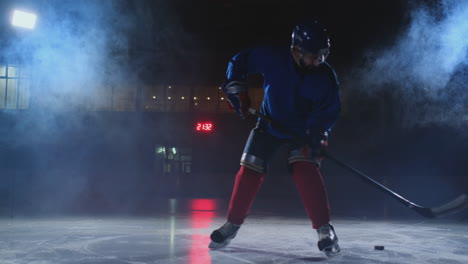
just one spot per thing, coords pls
(184, 238)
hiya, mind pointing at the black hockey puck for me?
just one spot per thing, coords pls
(379, 247)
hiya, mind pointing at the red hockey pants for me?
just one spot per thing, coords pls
(309, 183)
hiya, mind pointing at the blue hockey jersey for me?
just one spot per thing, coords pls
(298, 101)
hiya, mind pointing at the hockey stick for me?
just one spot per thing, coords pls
(458, 204)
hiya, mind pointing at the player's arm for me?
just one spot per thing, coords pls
(246, 62)
(321, 120)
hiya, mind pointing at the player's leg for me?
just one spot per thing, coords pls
(259, 148)
(306, 174)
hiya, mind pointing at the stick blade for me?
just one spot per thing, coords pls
(454, 206)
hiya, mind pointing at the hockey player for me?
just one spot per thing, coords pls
(301, 94)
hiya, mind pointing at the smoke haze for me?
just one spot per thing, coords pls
(82, 57)
(425, 68)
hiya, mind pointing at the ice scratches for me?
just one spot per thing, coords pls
(233, 257)
(65, 249)
(260, 240)
(86, 245)
(414, 243)
(275, 255)
(444, 261)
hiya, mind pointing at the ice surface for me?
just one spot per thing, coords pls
(184, 238)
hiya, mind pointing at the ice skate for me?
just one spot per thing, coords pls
(222, 236)
(327, 240)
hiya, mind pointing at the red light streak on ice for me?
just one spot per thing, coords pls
(201, 217)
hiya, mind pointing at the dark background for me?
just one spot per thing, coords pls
(72, 161)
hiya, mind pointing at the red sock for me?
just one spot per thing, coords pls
(311, 187)
(246, 186)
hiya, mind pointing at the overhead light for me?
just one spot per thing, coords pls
(23, 19)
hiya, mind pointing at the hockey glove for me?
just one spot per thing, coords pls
(319, 143)
(237, 97)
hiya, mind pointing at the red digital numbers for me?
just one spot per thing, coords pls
(204, 126)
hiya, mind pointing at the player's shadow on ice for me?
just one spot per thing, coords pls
(271, 254)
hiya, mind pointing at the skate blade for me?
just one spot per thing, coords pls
(331, 251)
(214, 245)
